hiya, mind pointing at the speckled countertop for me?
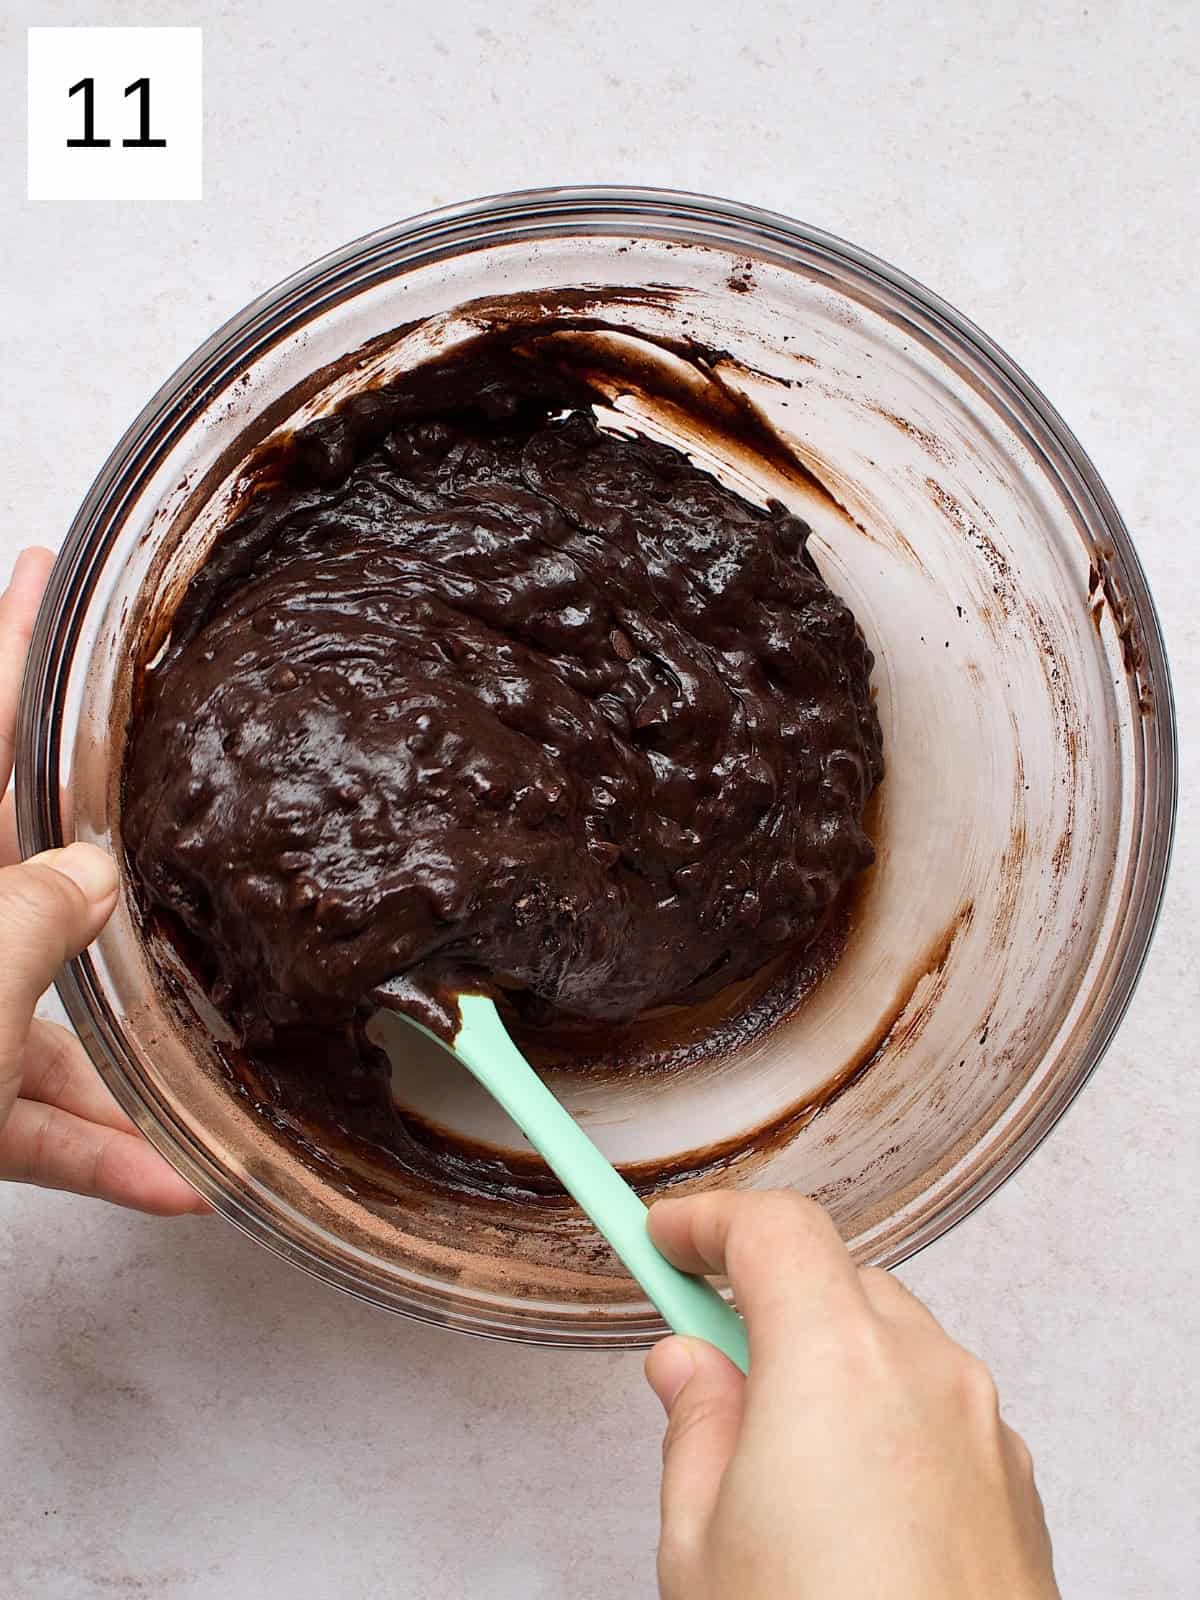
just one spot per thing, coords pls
(185, 1416)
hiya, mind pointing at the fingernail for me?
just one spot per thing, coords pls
(670, 1366)
(89, 869)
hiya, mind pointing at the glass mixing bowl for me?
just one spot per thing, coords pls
(1023, 828)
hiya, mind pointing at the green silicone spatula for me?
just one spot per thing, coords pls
(688, 1305)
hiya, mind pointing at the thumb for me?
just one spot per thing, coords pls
(51, 906)
(702, 1393)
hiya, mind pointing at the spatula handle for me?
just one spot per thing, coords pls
(689, 1305)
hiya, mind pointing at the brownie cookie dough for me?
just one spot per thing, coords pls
(478, 693)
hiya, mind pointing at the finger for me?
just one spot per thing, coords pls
(894, 1300)
(1017, 1451)
(44, 1145)
(18, 613)
(59, 1073)
(10, 850)
(50, 907)
(10, 843)
(702, 1392)
(789, 1269)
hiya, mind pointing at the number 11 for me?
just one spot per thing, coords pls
(140, 87)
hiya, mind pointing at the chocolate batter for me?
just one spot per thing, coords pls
(476, 693)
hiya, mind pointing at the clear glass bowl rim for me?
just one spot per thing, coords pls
(461, 228)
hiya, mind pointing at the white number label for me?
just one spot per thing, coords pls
(115, 114)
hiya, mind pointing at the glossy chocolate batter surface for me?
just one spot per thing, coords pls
(480, 693)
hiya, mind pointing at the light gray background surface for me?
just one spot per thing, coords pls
(184, 1416)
